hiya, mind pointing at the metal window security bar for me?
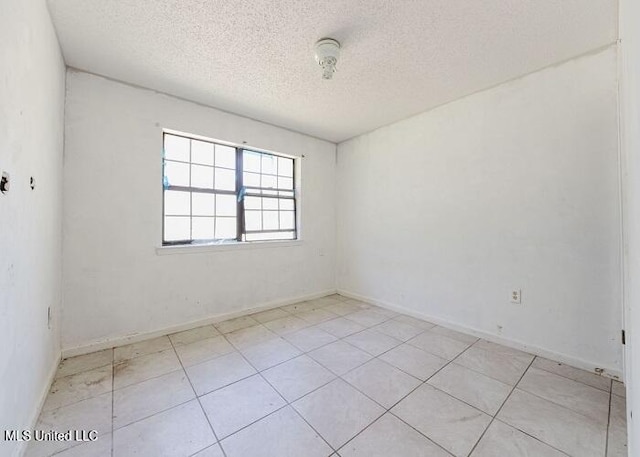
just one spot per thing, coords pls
(214, 192)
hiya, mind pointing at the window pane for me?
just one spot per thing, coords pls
(177, 174)
(285, 167)
(203, 228)
(226, 205)
(286, 203)
(270, 236)
(225, 156)
(225, 179)
(287, 220)
(286, 193)
(225, 227)
(201, 152)
(252, 203)
(251, 179)
(176, 148)
(253, 220)
(285, 183)
(268, 181)
(201, 177)
(269, 164)
(176, 228)
(270, 203)
(270, 220)
(203, 204)
(176, 203)
(251, 161)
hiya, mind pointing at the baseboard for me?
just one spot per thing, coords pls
(33, 421)
(515, 344)
(116, 341)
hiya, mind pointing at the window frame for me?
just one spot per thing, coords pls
(240, 193)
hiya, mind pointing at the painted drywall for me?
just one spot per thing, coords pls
(32, 79)
(115, 283)
(630, 152)
(516, 187)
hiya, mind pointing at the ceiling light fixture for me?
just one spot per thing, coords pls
(327, 54)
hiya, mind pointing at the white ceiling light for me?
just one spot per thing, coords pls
(327, 54)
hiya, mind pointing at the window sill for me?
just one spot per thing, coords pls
(231, 246)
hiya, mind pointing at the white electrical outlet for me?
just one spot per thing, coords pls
(516, 296)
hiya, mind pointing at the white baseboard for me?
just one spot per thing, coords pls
(33, 421)
(116, 341)
(515, 344)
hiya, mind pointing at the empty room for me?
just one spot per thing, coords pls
(296, 228)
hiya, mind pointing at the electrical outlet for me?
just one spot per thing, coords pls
(49, 317)
(516, 296)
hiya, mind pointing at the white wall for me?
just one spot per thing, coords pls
(31, 139)
(630, 146)
(115, 284)
(515, 187)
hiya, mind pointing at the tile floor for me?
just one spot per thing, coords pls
(330, 377)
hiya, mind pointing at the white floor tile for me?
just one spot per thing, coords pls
(617, 435)
(342, 308)
(425, 325)
(78, 364)
(286, 325)
(448, 422)
(390, 437)
(203, 350)
(233, 407)
(462, 337)
(585, 377)
(504, 440)
(145, 367)
(249, 336)
(99, 448)
(340, 357)
(398, 330)
(414, 361)
(178, 432)
(91, 414)
(338, 411)
(80, 386)
(316, 316)
(341, 327)
(562, 428)
(211, 451)
(619, 389)
(439, 345)
(281, 434)
(375, 343)
(269, 315)
(493, 364)
(134, 350)
(193, 335)
(237, 323)
(581, 398)
(135, 402)
(310, 338)
(367, 318)
(480, 391)
(382, 382)
(270, 353)
(214, 374)
(298, 377)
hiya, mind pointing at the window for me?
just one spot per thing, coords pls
(215, 192)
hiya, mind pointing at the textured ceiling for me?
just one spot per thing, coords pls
(255, 57)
